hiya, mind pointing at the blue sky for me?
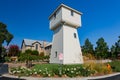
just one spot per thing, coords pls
(29, 19)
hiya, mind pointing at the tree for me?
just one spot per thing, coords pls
(4, 36)
(113, 51)
(101, 51)
(88, 47)
(13, 50)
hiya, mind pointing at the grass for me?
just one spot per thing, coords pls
(48, 66)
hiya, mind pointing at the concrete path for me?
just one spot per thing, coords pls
(115, 76)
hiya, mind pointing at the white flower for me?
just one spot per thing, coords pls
(76, 72)
(68, 69)
(34, 69)
(18, 71)
(45, 68)
(49, 75)
(14, 72)
(74, 68)
(40, 70)
(29, 69)
(35, 73)
(72, 71)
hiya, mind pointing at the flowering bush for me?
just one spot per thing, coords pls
(13, 50)
(49, 70)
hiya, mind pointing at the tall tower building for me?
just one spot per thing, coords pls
(64, 22)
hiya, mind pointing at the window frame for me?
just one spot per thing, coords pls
(75, 35)
(72, 13)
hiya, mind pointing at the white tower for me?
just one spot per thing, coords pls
(64, 22)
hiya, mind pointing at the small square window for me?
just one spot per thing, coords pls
(72, 14)
(75, 35)
(55, 54)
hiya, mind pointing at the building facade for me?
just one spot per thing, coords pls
(40, 46)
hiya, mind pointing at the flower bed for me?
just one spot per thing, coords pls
(52, 70)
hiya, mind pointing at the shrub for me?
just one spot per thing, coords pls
(97, 68)
(7, 59)
(35, 52)
(28, 51)
(115, 65)
(23, 57)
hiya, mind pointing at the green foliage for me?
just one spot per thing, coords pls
(28, 57)
(7, 59)
(113, 52)
(28, 51)
(22, 57)
(4, 36)
(35, 52)
(115, 65)
(88, 47)
(115, 49)
(101, 51)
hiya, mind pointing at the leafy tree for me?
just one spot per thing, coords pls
(13, 50)
(88, 47)
(101, 51)
(117, 44)
(4, 35)
(113, 51)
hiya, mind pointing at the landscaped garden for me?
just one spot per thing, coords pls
(78, 70)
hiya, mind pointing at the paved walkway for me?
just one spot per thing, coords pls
(115, 76)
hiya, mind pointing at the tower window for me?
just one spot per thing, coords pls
(36, 47)
(72, 14)
(75, 35)
(54, 15)
(55, 54)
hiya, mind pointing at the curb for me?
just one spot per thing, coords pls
(105, 77)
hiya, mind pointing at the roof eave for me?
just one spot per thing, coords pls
(62, 5)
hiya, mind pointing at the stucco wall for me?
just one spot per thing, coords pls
(74, 20)
(56, 21)
(72, 51)
(57, 45)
